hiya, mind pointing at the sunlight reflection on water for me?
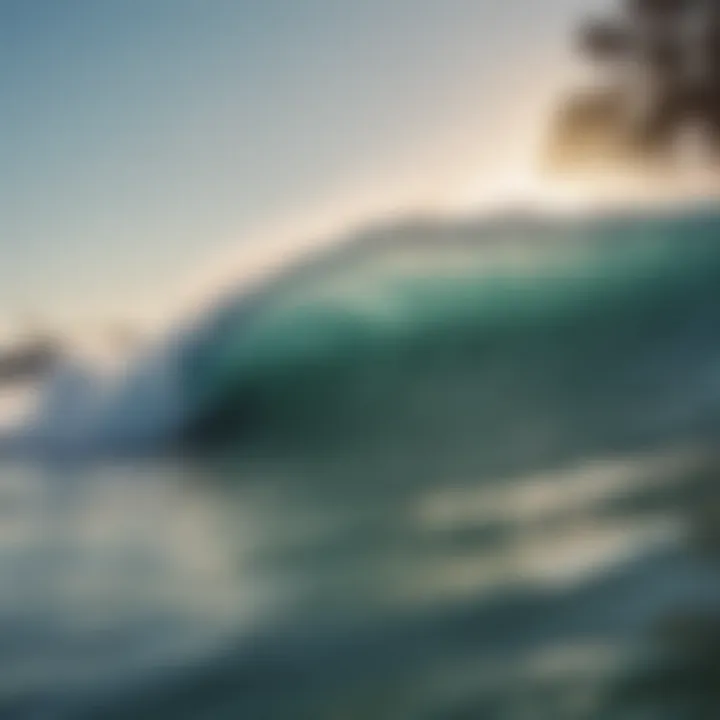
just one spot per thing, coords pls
(123, 576)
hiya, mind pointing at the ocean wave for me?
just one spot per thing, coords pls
(526, 328)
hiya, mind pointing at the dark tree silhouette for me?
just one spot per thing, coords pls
(663, 57)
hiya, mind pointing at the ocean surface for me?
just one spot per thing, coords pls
(438, 470)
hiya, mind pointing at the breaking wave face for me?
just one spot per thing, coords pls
(540, 335)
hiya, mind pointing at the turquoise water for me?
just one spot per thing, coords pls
(598, 327)
(447, 470)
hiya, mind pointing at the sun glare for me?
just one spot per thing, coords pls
(521, 189)
(524, 189)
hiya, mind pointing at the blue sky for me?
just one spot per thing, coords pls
(141, 138)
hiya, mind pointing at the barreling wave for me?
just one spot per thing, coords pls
(533, 333)
(524, 332)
